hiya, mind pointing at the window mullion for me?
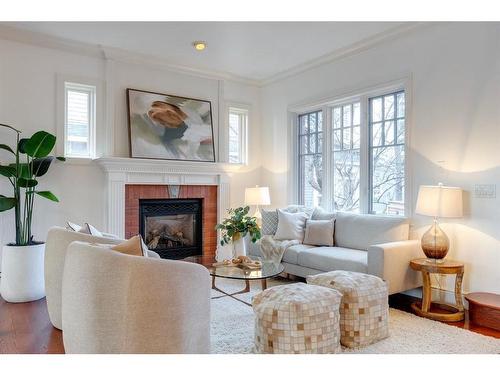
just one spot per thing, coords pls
(364, 155)
(327, 201)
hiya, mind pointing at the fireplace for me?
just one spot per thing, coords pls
(172, 227)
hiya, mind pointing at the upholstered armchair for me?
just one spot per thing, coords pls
(58, 240)
(116, 303)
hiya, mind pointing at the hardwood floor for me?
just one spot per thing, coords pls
(25, 327)
(403, 302)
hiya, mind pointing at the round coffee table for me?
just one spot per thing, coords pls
(268, 270)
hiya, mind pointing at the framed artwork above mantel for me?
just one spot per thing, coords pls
(169, 127)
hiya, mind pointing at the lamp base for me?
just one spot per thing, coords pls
(435, 243)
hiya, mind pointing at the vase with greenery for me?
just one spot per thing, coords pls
(236, 227)
(22, 260)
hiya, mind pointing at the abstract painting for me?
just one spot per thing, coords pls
(163, 126)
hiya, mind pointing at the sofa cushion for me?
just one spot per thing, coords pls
(357, 231)
(292, 253)
(334, 258)
(321, 214)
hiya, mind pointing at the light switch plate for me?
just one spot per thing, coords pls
(488, 191)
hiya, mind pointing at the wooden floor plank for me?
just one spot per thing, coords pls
(25, 328)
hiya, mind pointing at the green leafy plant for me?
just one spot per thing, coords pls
(32, 161)
(238, 225)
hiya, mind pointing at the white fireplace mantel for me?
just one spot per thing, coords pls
(129, 171)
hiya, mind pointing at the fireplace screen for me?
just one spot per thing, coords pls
(172, 227)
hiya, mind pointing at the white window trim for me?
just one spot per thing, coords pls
(243, 108)
(98, 131)
(326, 104)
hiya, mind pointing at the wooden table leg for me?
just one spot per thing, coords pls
(264, 284)
(426, 291)
(247, 286)
(458, 291)
(213, 282)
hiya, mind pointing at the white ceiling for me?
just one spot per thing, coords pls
(252, 50)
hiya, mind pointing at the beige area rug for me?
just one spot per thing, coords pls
(232, 330)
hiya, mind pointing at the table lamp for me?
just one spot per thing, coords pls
(438, 201)
(257, 196)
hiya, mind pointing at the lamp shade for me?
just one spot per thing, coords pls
(256, 196)
(439, 201)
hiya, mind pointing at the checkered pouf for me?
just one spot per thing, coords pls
(297, 318)
(364, 310)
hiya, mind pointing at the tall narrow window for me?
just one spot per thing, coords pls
(346, 135)
(311, 158)
(238, 123)
(387, 154)
(79, 120)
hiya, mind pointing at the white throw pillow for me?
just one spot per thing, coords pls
(93, 231)
(290, 226)
(72, 226)
(319, 232)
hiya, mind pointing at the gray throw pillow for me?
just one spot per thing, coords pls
(269, 222)
(319, 232)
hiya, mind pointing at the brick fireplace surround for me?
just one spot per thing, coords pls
(209, 211)
(128, 179)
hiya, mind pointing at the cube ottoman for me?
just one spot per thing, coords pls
(297, 318)
(364, 309)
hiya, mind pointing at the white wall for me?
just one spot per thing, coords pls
(28, 101)
(455, 74)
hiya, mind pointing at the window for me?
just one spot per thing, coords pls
(79, 120)
(238, 123)
(387, 154)
(311, 158)
(361, 166)
(346, 157)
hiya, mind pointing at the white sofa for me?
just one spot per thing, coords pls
(377, 245)
(117, 303)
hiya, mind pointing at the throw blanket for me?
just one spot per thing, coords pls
(273, 250)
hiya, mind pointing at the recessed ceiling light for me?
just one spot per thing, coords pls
(199, 45)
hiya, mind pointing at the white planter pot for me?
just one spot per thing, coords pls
(240, 247)
(224, 252)
(22, 278)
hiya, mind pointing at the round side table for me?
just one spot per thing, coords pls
(454, 313)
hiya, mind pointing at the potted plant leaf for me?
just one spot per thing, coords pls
(23, 260)
(238, 225)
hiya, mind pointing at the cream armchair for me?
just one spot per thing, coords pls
(116, 303)
(58, 240)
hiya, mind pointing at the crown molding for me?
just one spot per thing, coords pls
(347, 51)
(43, 40)
(116, 54)
(120, 55)
(129, 57)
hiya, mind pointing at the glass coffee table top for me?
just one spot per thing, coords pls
(269, 269)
